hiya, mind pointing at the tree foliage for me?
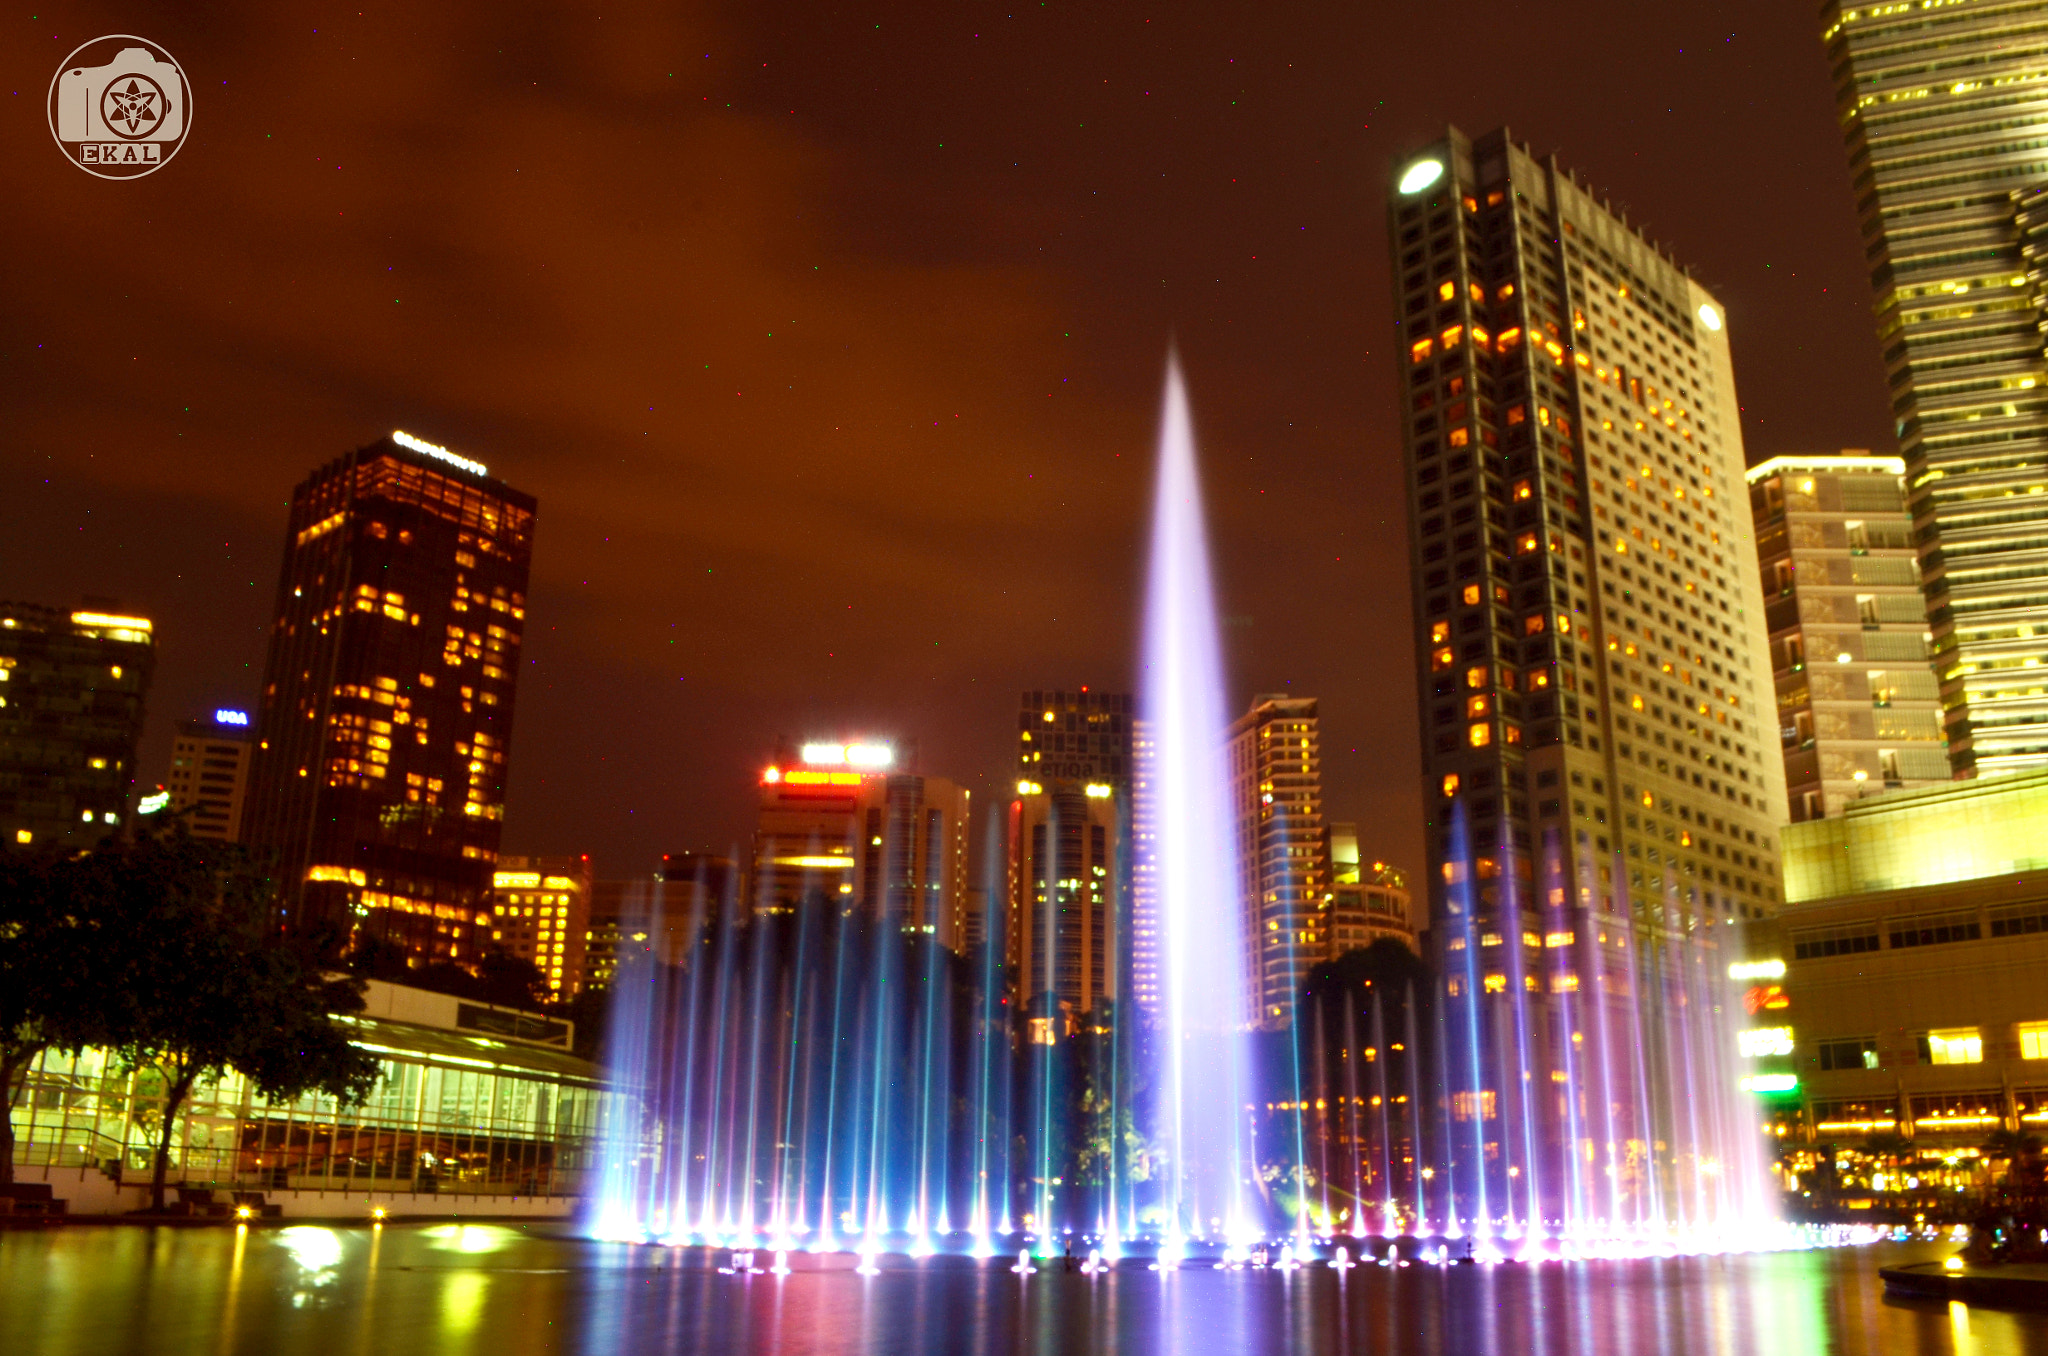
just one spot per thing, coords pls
(164, 950)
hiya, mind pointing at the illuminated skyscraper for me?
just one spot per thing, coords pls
(1276, 770)
(209, 781)
(1941, 109)
(1858, 713)
(387, 702)
(71, 692)
(1594, 673)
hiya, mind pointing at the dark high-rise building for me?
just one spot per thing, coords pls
(1597, 706)
(72, 686)
(1941, 109)
(387, 701)
(1077, 778)
(209, 781)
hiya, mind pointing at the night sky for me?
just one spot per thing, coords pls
(830, 337)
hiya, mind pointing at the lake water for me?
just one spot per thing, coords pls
(506, 1291)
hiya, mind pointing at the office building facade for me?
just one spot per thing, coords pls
(1858, 709)
(72, 687)
(386, 722)
(540, 912)
(1276, 781)
(1066, 854)
(1079, 761)
(1905, 980)
(1940, 109)
(208, 784)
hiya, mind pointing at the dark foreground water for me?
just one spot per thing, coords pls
(506, 1291)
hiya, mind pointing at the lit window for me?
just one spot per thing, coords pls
(1439, 632)
(1459, 437)
(1477, 707)
(1962, 1045)
(1480, 735)
(1441, 660)
(2034, 1040)
(1446, 290)
(1496, 984)
(1421, 349)
(1523, 489)
(1471, 595)
(1476, 676)
(1451, 789)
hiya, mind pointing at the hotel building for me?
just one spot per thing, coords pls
(1594, 672)
(72, 686)
(209, 779)
(379, 776)
(1941, 108)
(1276, 783)
(1858, 713)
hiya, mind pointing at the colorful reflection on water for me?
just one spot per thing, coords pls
(511, 1290)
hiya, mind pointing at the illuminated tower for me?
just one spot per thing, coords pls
(1941, 109)
(1594, 674)
(386, 721)
(1276, 774)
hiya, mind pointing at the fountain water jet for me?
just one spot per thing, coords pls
(1206, 1079)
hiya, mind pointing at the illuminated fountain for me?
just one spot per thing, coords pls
(1205, 1078)
(1561, 1082)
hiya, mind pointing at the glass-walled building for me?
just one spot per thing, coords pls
(475, 1102)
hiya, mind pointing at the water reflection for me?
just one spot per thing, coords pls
(512, 1291)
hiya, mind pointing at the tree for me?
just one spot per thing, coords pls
(54, 972)
(213, 985)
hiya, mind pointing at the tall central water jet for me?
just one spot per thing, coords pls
(1205, 1121)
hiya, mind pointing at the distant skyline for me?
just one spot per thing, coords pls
(830, 342)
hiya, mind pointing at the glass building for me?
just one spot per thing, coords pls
(474, 1101)
(1941, 109)
(1858, 713)
(379, 776)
